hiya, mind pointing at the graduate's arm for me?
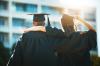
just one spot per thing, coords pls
(55, 32)
(16, 57)
(86, 24)
(91, 34)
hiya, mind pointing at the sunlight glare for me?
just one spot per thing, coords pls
(76, 3)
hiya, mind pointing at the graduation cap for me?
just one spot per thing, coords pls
(39, 17)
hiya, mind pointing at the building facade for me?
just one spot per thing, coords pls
(14, 17)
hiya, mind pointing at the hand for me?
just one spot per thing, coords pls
(84, 23)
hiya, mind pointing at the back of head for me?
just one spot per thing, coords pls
(68, 24)
(39, 19)
(67, 20)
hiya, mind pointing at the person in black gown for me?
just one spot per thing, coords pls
(76, 47)
(34, 47)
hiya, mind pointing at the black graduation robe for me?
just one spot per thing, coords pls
(35, 48)
(74, 50)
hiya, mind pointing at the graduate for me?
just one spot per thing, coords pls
(76, 49)
(35, 48)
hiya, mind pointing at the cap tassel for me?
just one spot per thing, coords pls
(49, 25)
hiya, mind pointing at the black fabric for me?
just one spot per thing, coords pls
(74, 50)
(34, 49)
(53, 48)
(39, 17)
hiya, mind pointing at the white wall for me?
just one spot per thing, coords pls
(98, 25)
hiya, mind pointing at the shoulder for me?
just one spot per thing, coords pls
(55, 32)
(89, 32)
(35, 28)
(50, 29)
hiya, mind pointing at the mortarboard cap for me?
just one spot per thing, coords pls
(39, 17)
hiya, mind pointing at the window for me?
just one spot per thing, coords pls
(31, 8)
(2, 21)
(2, 37)
(18, 22)
(3, 5)
(20, 7)
(28, 24)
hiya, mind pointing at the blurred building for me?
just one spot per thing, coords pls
(14, 16)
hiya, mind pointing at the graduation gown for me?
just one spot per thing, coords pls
(35, 48)
(74, 50)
